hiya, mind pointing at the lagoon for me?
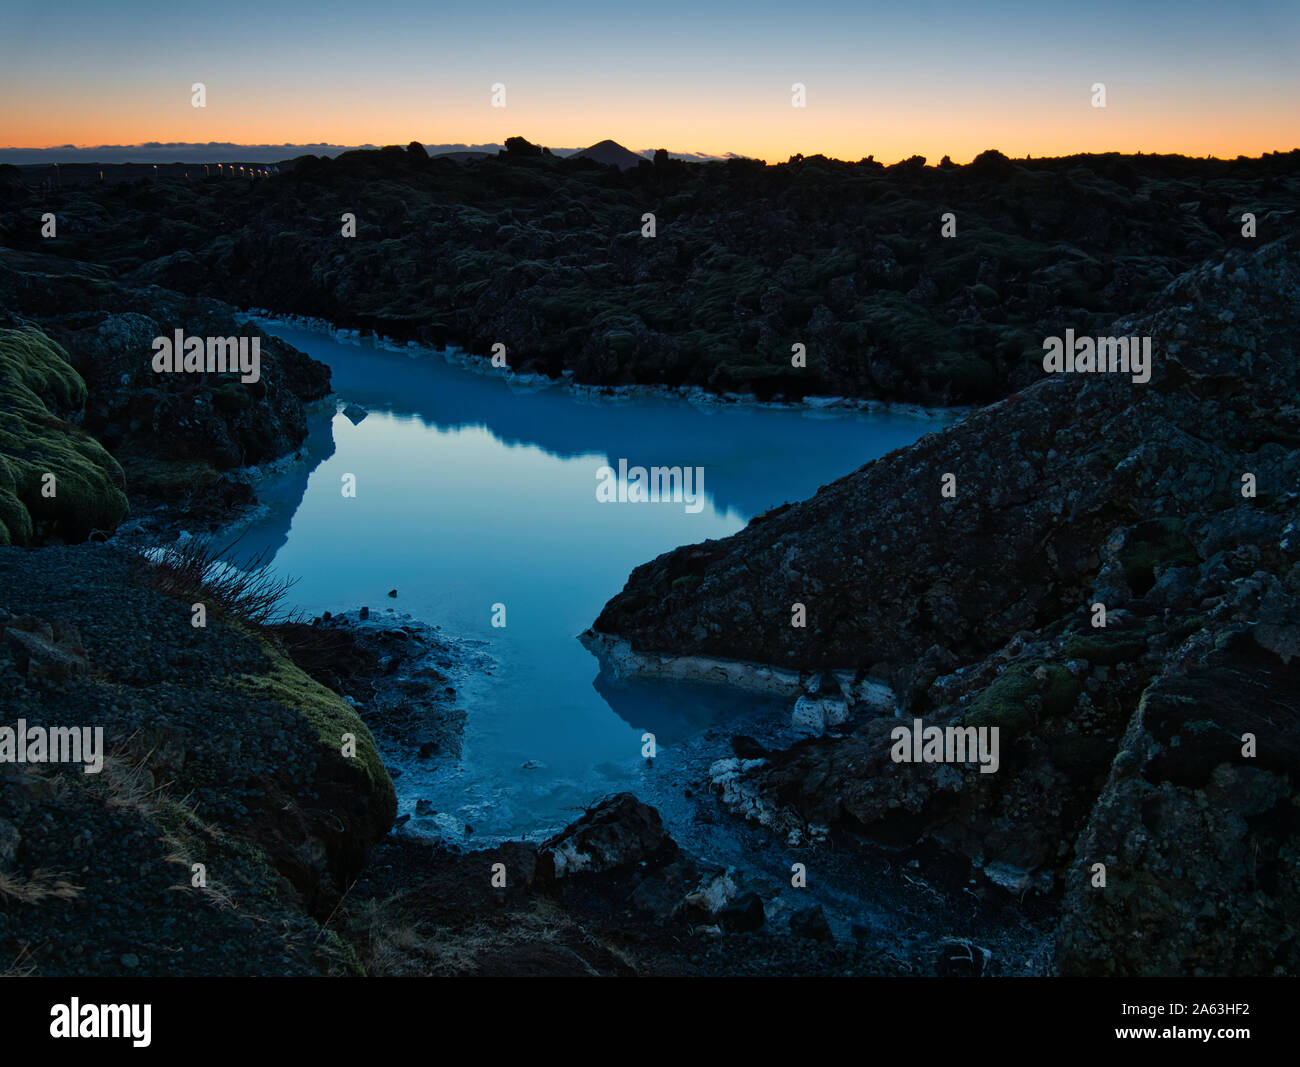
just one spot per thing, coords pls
(477, 500)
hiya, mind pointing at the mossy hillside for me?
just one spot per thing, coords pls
(546, 256)
(328, 713)
(37, 369)
(107, 328)
(15, 523)
(36, 381)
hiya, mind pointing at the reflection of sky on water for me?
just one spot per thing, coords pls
(471, 494)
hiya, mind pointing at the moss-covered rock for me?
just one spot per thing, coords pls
(86, 493)
(1005, 703)
(1107, 649)
(329, 714)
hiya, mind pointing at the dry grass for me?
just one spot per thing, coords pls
(392, 942)
(125, 782)
(38, 886)
(21, 967)
(198, 572)
(128, 782)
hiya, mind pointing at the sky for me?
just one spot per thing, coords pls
(885, 79)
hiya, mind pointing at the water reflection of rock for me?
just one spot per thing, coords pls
(673, 711)
(281, 494)
(751, 458)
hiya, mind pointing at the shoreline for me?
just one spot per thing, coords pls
(616, 654)
(455, 356)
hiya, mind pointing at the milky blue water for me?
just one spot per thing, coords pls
(471, 493)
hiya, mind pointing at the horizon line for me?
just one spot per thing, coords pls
(490, 146)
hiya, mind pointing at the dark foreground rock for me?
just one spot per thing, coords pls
(227, 831)
(217, 751)
(616, 834)
(636, 906)
(1164, 745)
(1201, 846)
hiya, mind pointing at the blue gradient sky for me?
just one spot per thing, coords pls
(891, 80)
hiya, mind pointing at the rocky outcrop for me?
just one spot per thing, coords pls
(180, 439)
(619, 832)
(1198, 844)
(44, 650)
(1075, 490)
(1161, 744)
(632, 905)
(108, 329)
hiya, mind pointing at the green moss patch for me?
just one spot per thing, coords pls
(36, 381)
(285, 683)
(1003, 703)
(1107, 649)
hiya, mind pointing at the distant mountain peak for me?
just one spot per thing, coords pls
(611, 153)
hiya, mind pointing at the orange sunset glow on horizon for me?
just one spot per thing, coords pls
(880, 84)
